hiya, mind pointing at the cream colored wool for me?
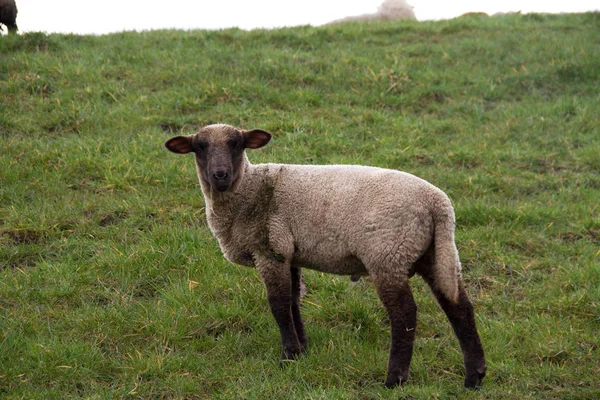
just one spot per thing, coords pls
(341, 219)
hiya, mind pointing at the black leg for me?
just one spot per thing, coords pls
(462, 318)
(281, 307)
(402, 311)
(278, 282)
(298, 324)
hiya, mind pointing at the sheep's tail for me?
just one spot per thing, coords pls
(446, 264)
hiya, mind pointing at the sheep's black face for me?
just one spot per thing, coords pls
(219, 151)
(219, 157)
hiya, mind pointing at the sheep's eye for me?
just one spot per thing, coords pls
(234, 144)
(200, 146)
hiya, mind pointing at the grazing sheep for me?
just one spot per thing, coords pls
(342, 219)
(388, 10)
(8, 15)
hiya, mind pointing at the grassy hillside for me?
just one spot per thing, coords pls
(111, 285)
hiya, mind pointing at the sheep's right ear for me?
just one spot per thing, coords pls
(256, 138)
(180, 144)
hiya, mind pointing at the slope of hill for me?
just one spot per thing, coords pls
(111, 285)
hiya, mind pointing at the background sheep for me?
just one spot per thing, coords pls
(8, 15)
(361, 221)
(387, 11)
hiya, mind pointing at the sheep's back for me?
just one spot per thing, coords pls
(340, 214)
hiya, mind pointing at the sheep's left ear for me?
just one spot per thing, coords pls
(256, 138)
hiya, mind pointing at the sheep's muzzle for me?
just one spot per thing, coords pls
(220, 179)
(219, 166)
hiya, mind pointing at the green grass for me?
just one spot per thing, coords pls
(111, 285)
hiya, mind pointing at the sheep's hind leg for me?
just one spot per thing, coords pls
(278, 283)
(462, 318)
(402, 310)
(298, 324)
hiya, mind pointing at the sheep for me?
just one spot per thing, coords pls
(387, 11)
(342, 219)
(8, 15)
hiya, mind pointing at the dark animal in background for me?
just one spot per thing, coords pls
(8, 15)
(342, 219)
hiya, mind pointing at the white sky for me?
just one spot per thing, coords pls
(105, 16)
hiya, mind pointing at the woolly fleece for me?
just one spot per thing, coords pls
(341, 219)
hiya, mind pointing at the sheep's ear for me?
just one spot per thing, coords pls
(180, 144)
(256, 138)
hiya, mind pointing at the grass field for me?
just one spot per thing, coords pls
(112, 286)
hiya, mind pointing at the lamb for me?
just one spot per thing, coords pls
(342, 219)
(8, 15)
(388, 10)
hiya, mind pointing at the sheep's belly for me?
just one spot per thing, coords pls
(347, 265)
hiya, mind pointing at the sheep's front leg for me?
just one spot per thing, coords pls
(277, 277)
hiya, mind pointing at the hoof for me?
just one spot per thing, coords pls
(474, 379)
(288, 355)
(391, 383)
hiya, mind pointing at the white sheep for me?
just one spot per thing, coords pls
(388, 10)
(342, 219)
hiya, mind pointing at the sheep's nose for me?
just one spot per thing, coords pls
(220, 175)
